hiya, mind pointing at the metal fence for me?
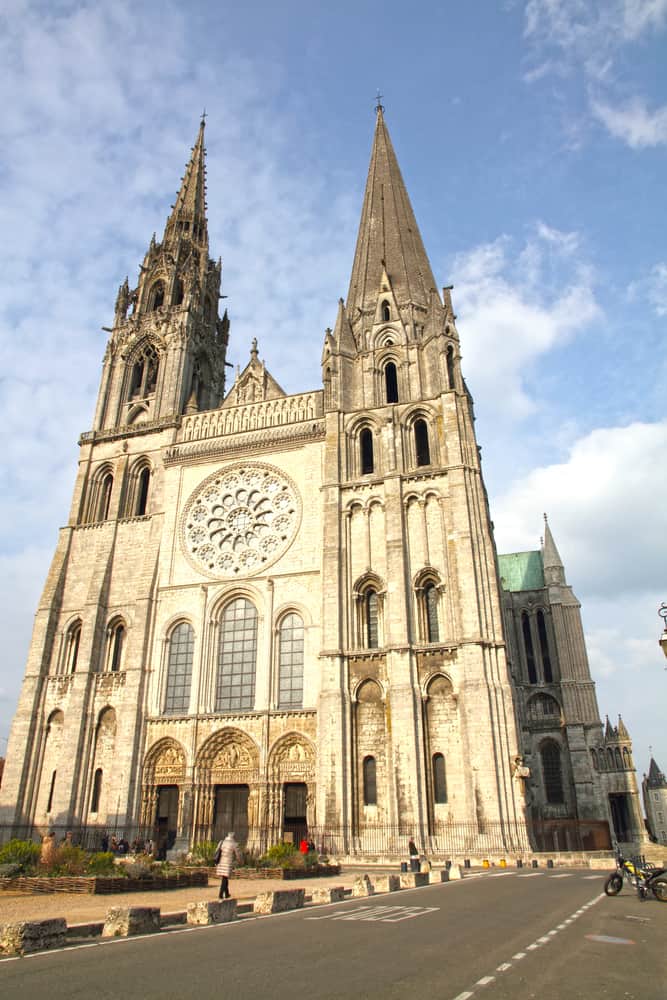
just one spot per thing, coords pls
(440, 841)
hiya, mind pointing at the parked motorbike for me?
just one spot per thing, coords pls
(645, 878)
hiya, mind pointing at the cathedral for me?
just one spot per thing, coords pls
(278, 614)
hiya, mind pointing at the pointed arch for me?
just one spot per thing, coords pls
(290, 660)
(115, 645)
(237, 656)
(72, 645)
(428, 593)
(144, 367)
(390, 373)
(180, 657)
(385, 311)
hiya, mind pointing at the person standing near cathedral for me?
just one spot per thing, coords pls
(227, 852)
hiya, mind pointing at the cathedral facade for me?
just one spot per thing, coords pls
(276, 613)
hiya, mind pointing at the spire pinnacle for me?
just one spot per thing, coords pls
(554, 571)
(388, 238)
(188, 215)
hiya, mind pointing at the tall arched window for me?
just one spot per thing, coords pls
(179, 670)
(386, 312)
(116, 647)
(422, 450)
(237, 657)
(370, 782)
(366, 451)
(73, 642)
(544, 647)
(450, 366)
(142, 492)
(439, 779)
(144, 373)
(391, 382)
(178, 292)
(528, 647)
(371, 619)
(106, 487)
(97, 791)
(431, 613)
(290, 662)
(552, 771)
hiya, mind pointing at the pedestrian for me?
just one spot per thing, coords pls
(227, 852)
(414, 855)
(303, 846)
(104, 843)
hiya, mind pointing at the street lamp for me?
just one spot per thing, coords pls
(662, 611)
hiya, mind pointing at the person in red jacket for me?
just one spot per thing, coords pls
(303, 846)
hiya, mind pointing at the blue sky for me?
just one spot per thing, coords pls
(532, 137)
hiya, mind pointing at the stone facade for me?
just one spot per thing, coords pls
(273, 613)
(654, 791)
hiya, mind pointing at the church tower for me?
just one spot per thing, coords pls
(416, 722)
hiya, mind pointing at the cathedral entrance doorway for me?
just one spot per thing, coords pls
(231, 812)
(166, 819)
(295, 798)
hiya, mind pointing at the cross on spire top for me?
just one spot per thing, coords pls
(379, 106)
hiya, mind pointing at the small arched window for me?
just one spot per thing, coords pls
(552, 771)
(142, 491)
(366, 451)
(179, 670)
(370, 782)
(371, 619)
(431, 613)
(116, 647)
(144, 373)
(422, 450)
(439, 779)
(617, 759)
(450, 366)
(528, 648)
(391, 382)
(72, 647)
(386, 312)
(106, 487)
(97, 791)
(627, 760)
(178, 292)
(290, 666)
(157, 295)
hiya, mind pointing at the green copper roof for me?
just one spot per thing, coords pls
(521, 571)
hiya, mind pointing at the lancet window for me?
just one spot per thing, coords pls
(179, 669)
(290, 665)
(237, 657)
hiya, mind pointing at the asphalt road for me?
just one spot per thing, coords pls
(551, 935)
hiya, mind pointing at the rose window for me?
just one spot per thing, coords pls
(240, 520)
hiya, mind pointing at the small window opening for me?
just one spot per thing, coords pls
(528, 646)
(422, 449)
(431, 607)
(158, 295)
(544, 647)
(97, 791)
(52, 789)
(439, 779)
(386, 312)
(371, 616)
(178, 292)
(391, 382)
(450, 366)
(74, 640)
(117, 642)
(370, 782)
(366, 448)
(553, 774)
(105, 497)
(142, 491)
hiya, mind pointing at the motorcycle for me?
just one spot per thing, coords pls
(645, 878)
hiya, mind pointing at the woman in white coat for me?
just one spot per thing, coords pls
(227, 852)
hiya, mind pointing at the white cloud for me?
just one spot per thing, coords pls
(516, 305)
(653, 288)
(633, 122)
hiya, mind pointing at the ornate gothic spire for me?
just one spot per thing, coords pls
(188, 214)
(389, 238)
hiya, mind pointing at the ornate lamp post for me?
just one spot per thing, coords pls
(662, 611)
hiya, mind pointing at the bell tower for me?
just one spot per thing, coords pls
(166, 352)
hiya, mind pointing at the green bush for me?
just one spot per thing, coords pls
(68, 860)
(203, 853)
(281, 856)
(101, 863)
(312, 859)
(23, 853)
(10, 871)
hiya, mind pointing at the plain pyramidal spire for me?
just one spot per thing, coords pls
(388, 238)
(554, 572)
(188, 214)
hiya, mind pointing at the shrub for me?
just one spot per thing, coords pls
(101, 863)
(203, 853)
(23, 853)
(68, 860)
(281, 856)
(312, 859)
(10, 871)
(136, 869)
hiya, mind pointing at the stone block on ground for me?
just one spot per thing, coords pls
(279, 901)
(335, 894)
(363, 886)
(125, 921)
(27, 936)
(435, 878)
(412, 880)
(387, 883)
(214, 911)
(455, 872)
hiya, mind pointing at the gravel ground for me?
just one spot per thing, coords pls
(82, 908)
